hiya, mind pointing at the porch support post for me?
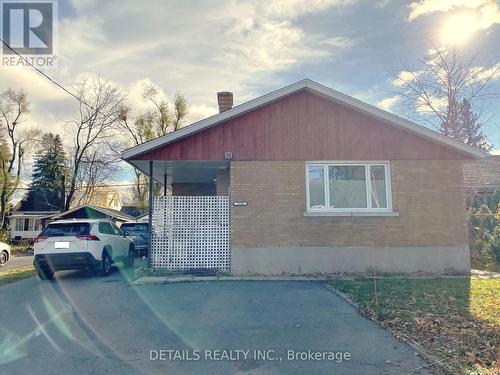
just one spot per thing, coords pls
(165, 185)
(150, 209)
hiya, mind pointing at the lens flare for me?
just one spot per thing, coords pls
(459, 28)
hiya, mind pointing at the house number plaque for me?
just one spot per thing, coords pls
(240, 203)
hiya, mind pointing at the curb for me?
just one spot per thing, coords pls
(155, 280)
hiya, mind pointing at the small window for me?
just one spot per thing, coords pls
(19, 224)
(348, 187)
(106, 228)
(134, 227)
(316, 187)
(38, 224)
(116, 230)
(378, 188)
(26, 224)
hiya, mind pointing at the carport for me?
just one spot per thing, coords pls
(189, 215)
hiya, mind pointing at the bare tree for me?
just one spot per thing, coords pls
(100, 110)
(14, 106)
(95, 171)
(145, 126)
(164, 119)
(434, 93)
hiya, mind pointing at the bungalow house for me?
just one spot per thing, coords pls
(25, 225)
(89, 211)
(35, 211)
(306, 180)
(32, 213)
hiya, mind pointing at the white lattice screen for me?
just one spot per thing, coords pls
(190, 232)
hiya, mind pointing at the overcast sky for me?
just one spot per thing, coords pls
(253, 47)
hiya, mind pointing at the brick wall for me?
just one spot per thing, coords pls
(427, 194)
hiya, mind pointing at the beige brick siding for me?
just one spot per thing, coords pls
(427, 194)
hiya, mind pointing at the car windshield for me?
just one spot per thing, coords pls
(66, 229)
(135, 228)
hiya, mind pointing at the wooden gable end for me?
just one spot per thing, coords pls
(303, 126)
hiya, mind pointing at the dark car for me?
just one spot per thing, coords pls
(138, 233)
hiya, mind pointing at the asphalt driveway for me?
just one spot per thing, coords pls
(82, 324)
(16, 262)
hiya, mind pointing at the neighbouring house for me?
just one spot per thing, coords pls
(32, 213)
(101, 197)
(88, 211)
(144, 218)
(26, 225)
(132, 210)
(307, 180)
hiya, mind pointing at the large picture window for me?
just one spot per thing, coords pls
(348, 187)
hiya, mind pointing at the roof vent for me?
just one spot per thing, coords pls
(225, 101)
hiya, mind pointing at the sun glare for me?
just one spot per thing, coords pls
(458, 28)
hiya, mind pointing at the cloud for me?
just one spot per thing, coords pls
(198, 49)
(135, 92)
(478, 73)
(438, 103)
(495, 152)
(388, 103)
(48, 103)
(487, 11)
(338, 42)
(491, 73)
(404, 76)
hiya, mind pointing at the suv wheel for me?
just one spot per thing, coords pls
(105, 266)
(129, 262)
(45, 274)
(3, 258)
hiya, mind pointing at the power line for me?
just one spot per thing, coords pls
(46, 76)
(97, 186)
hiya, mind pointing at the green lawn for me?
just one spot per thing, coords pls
(457, 320)
(16, 274)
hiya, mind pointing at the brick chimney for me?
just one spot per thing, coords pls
(225, 101)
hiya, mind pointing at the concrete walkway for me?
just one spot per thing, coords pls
(83, 324)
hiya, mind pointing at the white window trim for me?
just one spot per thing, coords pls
(366, 164)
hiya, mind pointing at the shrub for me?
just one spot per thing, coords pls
(5, 235)
(484, 231)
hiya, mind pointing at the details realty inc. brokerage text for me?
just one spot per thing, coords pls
(247, 355)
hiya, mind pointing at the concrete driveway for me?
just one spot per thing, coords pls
(82, 324)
